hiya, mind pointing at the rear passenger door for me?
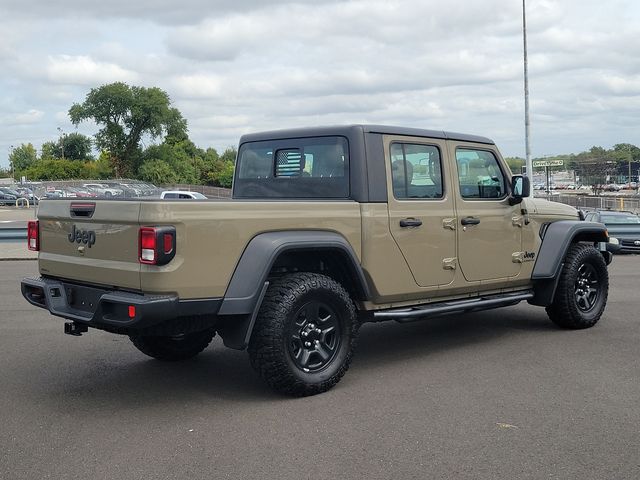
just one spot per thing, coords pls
(421, 207)
(489, 229)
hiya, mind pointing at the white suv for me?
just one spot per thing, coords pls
(181, 195)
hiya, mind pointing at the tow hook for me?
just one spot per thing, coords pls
(75, 329)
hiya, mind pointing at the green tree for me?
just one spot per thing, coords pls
(55, 169)
(50, 150)
(74, 146)
(515, 164)
(183, 158)
(22, 157)
(125, 114)
(225, 177)
(158, 172)
(229, 155)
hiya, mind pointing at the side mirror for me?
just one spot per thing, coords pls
(520, 188)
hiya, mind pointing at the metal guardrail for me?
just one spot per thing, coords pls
(13, 233)
(583, 202)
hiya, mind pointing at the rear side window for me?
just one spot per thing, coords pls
(416, 171)
(479, 174)
(315, 167)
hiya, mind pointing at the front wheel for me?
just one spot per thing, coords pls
(305, 334)
(582, 290)
(173, 348)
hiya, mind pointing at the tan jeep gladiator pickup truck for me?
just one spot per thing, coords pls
(328, 228)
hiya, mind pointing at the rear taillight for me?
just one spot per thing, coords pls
(33, 235)
(157, 245)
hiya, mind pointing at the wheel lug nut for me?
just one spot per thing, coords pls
(318, 330)
(307, 344)
(317, 342)
(305, 333)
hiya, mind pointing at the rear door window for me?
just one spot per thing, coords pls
(416, 171)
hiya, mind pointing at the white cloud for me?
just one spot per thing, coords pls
(84, 70)
(21, 119)
(233, 67)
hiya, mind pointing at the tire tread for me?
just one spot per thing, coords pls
(267, 350)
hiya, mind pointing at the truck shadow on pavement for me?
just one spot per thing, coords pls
(124, 378)
(390, 341)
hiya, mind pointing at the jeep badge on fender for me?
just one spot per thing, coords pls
(88, 237)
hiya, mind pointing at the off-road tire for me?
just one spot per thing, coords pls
(174, 348)
(584, 268)
(276, 348)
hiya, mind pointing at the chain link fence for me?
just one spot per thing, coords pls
(121, 188)
(584, 202)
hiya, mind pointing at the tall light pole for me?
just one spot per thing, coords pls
(11, 162)
(526, 94)
(61, 141)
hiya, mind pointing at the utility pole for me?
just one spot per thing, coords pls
(630, 159)
(61, 141)
(526, 95)
(13, 175)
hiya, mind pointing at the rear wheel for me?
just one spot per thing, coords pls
(582, 290)
(175, 347)
(305, 334)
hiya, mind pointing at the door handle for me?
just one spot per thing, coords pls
(470, 221)
(410, 222)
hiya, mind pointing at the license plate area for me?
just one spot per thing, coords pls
(82, 298)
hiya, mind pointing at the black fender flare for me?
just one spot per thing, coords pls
(558, 237)
(249, 281)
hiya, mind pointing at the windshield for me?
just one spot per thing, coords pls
(622, 219)
(316, 167)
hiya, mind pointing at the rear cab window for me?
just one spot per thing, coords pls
(315, 167)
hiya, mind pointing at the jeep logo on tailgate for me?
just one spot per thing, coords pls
(88, 237)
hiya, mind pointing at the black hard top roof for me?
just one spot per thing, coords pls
(348, 130)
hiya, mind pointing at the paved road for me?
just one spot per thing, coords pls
(492, 395)
(17, 214)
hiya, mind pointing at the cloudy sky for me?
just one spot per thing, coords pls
(236, 66)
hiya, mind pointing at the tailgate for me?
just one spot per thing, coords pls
(90, 241)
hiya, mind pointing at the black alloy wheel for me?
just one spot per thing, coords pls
(587, 287)
(305, 334)
(583, 288)
(315, 336)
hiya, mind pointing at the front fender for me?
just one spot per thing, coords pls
(558, 237)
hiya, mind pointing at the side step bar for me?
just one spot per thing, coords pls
(411, 314)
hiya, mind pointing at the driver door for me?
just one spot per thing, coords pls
(489, 229)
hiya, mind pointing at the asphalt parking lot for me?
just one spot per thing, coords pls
(493, 395)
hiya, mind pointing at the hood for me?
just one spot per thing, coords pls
(539, 206)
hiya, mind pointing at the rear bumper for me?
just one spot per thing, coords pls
(110, 309)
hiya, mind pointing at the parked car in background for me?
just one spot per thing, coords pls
(103, 189)
(7, 198)
(623, 226)
(27, 193)
(181, 195)
(80, 192)
(55, 193)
